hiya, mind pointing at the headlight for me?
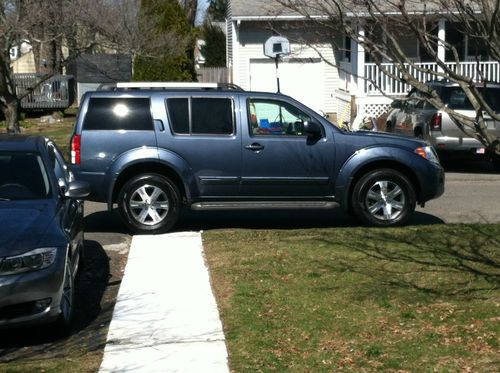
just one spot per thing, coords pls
(428, 153)
(30, 261)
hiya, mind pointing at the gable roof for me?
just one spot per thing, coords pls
(271, 9)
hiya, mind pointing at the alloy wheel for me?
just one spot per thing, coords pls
(149, 205)
(385, 200)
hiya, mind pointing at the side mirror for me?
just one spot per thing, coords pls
(312, 129)
(77, 189)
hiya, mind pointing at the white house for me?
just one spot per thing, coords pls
(310, 73)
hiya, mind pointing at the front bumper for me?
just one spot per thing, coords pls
(32, 297)
(432, 183)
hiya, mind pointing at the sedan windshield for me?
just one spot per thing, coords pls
(22, 176)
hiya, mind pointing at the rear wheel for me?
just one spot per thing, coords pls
(496, 163)
(149, 203)
(383, 198)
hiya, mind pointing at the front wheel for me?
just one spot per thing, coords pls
(63, 323)
(149, 204)
(383, 198)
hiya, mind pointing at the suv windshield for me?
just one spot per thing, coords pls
(22, 176)
(456, 99)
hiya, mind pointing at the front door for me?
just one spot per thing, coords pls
(278, 159)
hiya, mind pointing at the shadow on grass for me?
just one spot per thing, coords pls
(454, 260)
(87, 332)
(279, 219)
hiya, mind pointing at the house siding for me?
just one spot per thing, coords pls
(248, 47)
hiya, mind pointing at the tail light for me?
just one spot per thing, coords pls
(75, 149)
(436, 122)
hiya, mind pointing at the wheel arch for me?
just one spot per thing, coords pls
(147, 167)
(375, 165)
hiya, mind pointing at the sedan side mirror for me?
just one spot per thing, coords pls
(312, 129)
(77, 189)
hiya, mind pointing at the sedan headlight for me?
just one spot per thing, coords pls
(30, 261)
(428, 153)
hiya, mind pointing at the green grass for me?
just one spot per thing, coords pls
(423, 299)
(60, 131)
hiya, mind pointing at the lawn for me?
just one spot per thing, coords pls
(60, 131)
(413, 299)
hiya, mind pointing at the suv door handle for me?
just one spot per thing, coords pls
(254, 147)
(159, 125)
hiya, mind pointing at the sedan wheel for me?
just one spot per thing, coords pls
(63, 324)
(383, 198)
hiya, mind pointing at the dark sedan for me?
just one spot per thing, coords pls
(41, 232)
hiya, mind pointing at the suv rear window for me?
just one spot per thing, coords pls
(209, 116)
(132, 114)
(456, 99)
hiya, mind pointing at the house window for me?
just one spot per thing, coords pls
(456, 39)
(347, 49)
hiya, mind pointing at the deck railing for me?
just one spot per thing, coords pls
(44, 94)
(377, 79)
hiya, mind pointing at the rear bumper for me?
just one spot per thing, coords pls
(463, 144)
(96, 182)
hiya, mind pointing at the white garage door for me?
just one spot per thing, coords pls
(302, 80)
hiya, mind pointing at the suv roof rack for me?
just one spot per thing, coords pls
(166, 85)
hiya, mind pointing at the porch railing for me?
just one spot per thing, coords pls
(377, 79)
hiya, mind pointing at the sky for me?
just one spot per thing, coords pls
(202, 9)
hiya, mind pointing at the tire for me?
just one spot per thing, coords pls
(370, 201)
(64, 322)
(149, 204)
(495, 161)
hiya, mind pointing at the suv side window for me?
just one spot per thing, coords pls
(201, 116)
(273, 117)
(131, 114)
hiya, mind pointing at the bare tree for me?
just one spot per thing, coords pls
(190, 7)
(44, 25)
(78, 26)
(385, 21)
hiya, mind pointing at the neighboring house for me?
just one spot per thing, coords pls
(92, 70)
(22, 58)
(306, 76)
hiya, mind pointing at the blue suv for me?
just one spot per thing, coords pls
(152, 148)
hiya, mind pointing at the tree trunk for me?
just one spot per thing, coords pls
(11, 112)
(9, 103)
(190, 7)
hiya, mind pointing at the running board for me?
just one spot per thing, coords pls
(263, 205)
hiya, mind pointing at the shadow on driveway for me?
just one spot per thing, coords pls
(105, 221)
(92, 315)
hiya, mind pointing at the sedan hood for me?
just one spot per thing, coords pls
(23, 225)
